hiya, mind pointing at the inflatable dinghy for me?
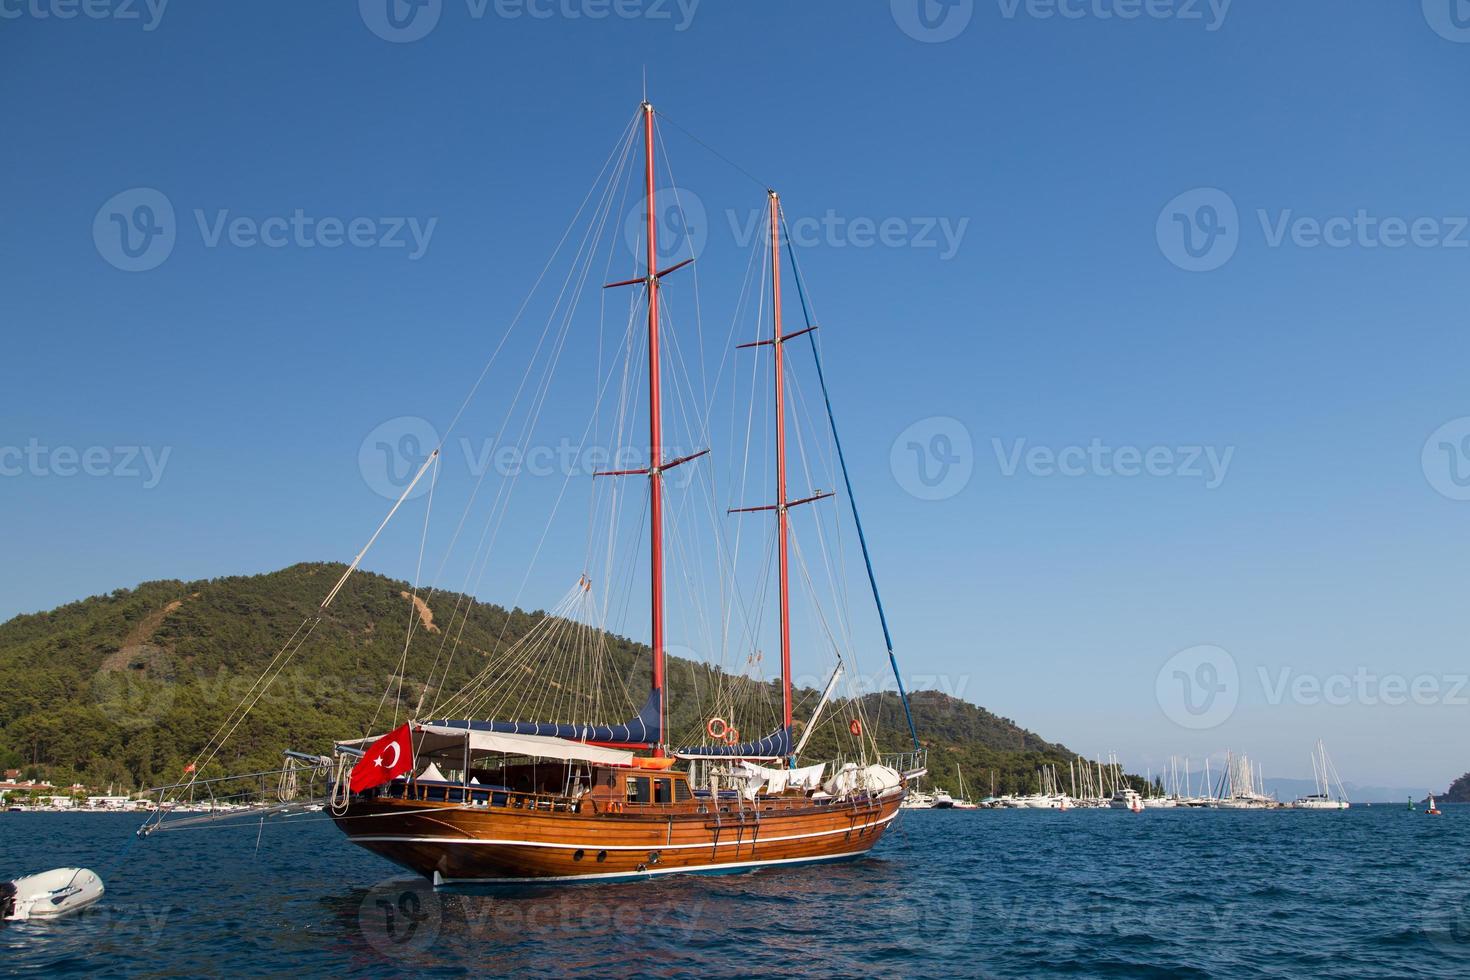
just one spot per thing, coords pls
(49, 894)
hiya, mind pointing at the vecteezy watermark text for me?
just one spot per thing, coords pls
(937, 21)
(404, 21)
(1210, 13)
(145, 463)
(304, 231)
(1209, 464)
(1363, 686)
(683, 228)
(834, 230)
(149, 13)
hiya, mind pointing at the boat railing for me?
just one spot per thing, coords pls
(906, 762)
(487, 795)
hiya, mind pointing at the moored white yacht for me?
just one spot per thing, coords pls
(917, 800)
(1325, 775)
(1126, 798)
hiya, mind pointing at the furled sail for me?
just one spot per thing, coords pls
(776, 745)
(642, 730)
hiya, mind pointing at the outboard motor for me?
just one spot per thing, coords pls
(7, 899)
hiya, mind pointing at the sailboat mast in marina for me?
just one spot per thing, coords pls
(475, 791)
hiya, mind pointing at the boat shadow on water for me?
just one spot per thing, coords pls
(651, 925)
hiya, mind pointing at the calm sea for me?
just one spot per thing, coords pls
(1373, 892)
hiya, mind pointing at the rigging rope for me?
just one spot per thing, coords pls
(851, 499)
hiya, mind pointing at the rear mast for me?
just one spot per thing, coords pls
(781, 505)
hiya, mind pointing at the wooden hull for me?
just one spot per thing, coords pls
(456, 844)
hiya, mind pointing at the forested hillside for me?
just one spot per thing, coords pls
(125, 688)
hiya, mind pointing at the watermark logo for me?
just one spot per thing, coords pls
(148, 12)
(1445, 919)
(1199, 230)
(1449, 18)
(934, 458)
(941, 921)
(401, 918)
(1446, 459)
(135, 230)
(1198, 688)
(932, 21)
(129, 699)
(400, 21)
(393, 453)
(681, 225)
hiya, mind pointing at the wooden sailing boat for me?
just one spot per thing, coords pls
(470, 799)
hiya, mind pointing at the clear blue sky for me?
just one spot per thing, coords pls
(1332, 545)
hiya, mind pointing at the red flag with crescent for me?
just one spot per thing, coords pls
(387, 758)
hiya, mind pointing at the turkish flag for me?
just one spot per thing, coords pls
(389, 756)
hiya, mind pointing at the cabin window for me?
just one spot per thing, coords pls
(681, 790)
(639, 790)
(661, 791)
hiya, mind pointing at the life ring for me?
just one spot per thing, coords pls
(710, 728)
(855, 726)
(732, 736)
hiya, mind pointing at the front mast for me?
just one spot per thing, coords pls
(655, 441)
(656, 462)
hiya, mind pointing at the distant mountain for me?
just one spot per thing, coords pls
(1459, 791)
(125, 688)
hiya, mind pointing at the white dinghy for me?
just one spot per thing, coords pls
(49, 894)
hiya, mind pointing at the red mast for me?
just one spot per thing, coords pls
(655, 438)
(781, 505)
(656, 462)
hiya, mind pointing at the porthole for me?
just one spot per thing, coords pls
(601, 856)
(578, 855)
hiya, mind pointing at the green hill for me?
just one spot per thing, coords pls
(126, 688)
(1459, 791)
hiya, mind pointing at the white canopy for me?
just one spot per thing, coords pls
(429, 739)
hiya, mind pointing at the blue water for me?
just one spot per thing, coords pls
(1373, 892)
